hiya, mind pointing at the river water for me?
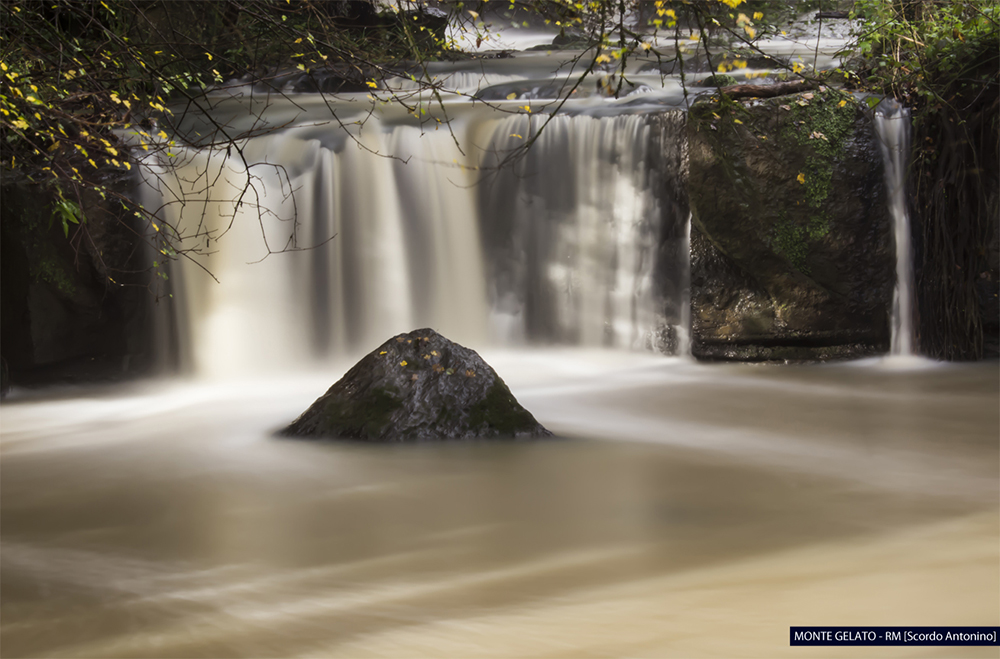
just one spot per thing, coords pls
(684, 510)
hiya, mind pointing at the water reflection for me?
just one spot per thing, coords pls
(170, 522)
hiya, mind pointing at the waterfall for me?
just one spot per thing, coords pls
(351, 233)
(574, 229)
(892, 123)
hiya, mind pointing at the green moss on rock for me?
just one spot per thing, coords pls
(499, 411)
(789, 191)
(365, 416)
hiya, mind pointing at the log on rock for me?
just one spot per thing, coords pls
(767, 91)
(417, 386)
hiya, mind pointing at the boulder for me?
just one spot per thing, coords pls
(417, 387)
(792, 249)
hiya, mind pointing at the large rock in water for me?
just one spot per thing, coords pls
(417, 387)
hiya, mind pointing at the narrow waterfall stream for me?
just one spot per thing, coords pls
(893, 125)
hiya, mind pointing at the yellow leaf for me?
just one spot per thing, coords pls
(382, 353)
(602, 58)
(91, 161)
(209, 55)
(737, 121)
(842, 104)
(162, 134)
(801, 178)
(372, 84)
(402, 363)
(511, 96)
(757, 15)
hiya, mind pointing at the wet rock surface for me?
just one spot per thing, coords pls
(76, 306)
(792, 255)
(417, 387)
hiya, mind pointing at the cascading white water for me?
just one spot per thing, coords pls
(391, 227)
(893, 129)
(573, 232)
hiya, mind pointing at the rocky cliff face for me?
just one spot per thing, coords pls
(76, 307)
(792, 249)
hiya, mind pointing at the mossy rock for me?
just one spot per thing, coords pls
(418, 386)
(789, 196)
(717, 80)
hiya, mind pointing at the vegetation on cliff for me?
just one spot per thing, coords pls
(942, 60)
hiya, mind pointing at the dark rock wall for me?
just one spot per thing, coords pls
(73, 308)
(792, 248)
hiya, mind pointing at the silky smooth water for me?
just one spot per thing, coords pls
(329, 220)
(893, 123)
(685, 510)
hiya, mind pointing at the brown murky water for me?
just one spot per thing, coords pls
(689, 511)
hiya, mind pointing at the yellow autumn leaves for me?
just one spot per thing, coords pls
(429, 356)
